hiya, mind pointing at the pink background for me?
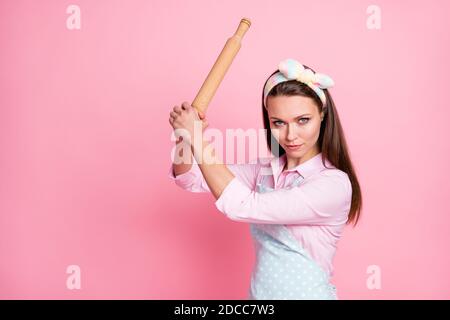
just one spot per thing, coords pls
(85, 142)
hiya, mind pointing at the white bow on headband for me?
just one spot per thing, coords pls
(291, 69)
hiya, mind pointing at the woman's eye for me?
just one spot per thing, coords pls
(301, 120)
(305, 120)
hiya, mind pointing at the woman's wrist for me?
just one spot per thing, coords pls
(197, 145)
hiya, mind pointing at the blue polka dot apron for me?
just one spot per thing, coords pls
(283, 269)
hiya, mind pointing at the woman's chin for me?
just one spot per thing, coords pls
(295, 153)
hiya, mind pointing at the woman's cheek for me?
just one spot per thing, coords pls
(312, 132)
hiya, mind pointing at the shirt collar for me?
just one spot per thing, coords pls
(305, 169)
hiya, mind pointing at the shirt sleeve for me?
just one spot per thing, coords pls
(194, 181)
(321, 200)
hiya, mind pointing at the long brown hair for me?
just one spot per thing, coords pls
(331, 141)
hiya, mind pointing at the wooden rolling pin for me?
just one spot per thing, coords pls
(220, 67)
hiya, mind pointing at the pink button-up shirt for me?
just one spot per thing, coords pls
(315, 211)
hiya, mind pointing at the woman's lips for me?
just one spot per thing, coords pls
(294, 147)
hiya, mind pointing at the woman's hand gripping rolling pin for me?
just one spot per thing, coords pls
(185, 120)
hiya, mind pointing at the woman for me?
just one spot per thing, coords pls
(299, 203)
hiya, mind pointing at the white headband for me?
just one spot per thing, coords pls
(290, 69)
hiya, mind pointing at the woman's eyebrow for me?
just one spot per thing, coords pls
(306, 114)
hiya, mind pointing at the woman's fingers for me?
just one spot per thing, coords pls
(177, 109)
(185, 108)
(185, 105)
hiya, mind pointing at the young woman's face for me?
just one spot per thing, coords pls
(298, 120)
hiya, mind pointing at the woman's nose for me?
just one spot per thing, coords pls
(291, 134)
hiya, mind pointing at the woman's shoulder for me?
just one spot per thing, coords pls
(335, 175)
(331, 171)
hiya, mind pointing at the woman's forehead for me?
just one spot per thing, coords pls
(290, 106)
